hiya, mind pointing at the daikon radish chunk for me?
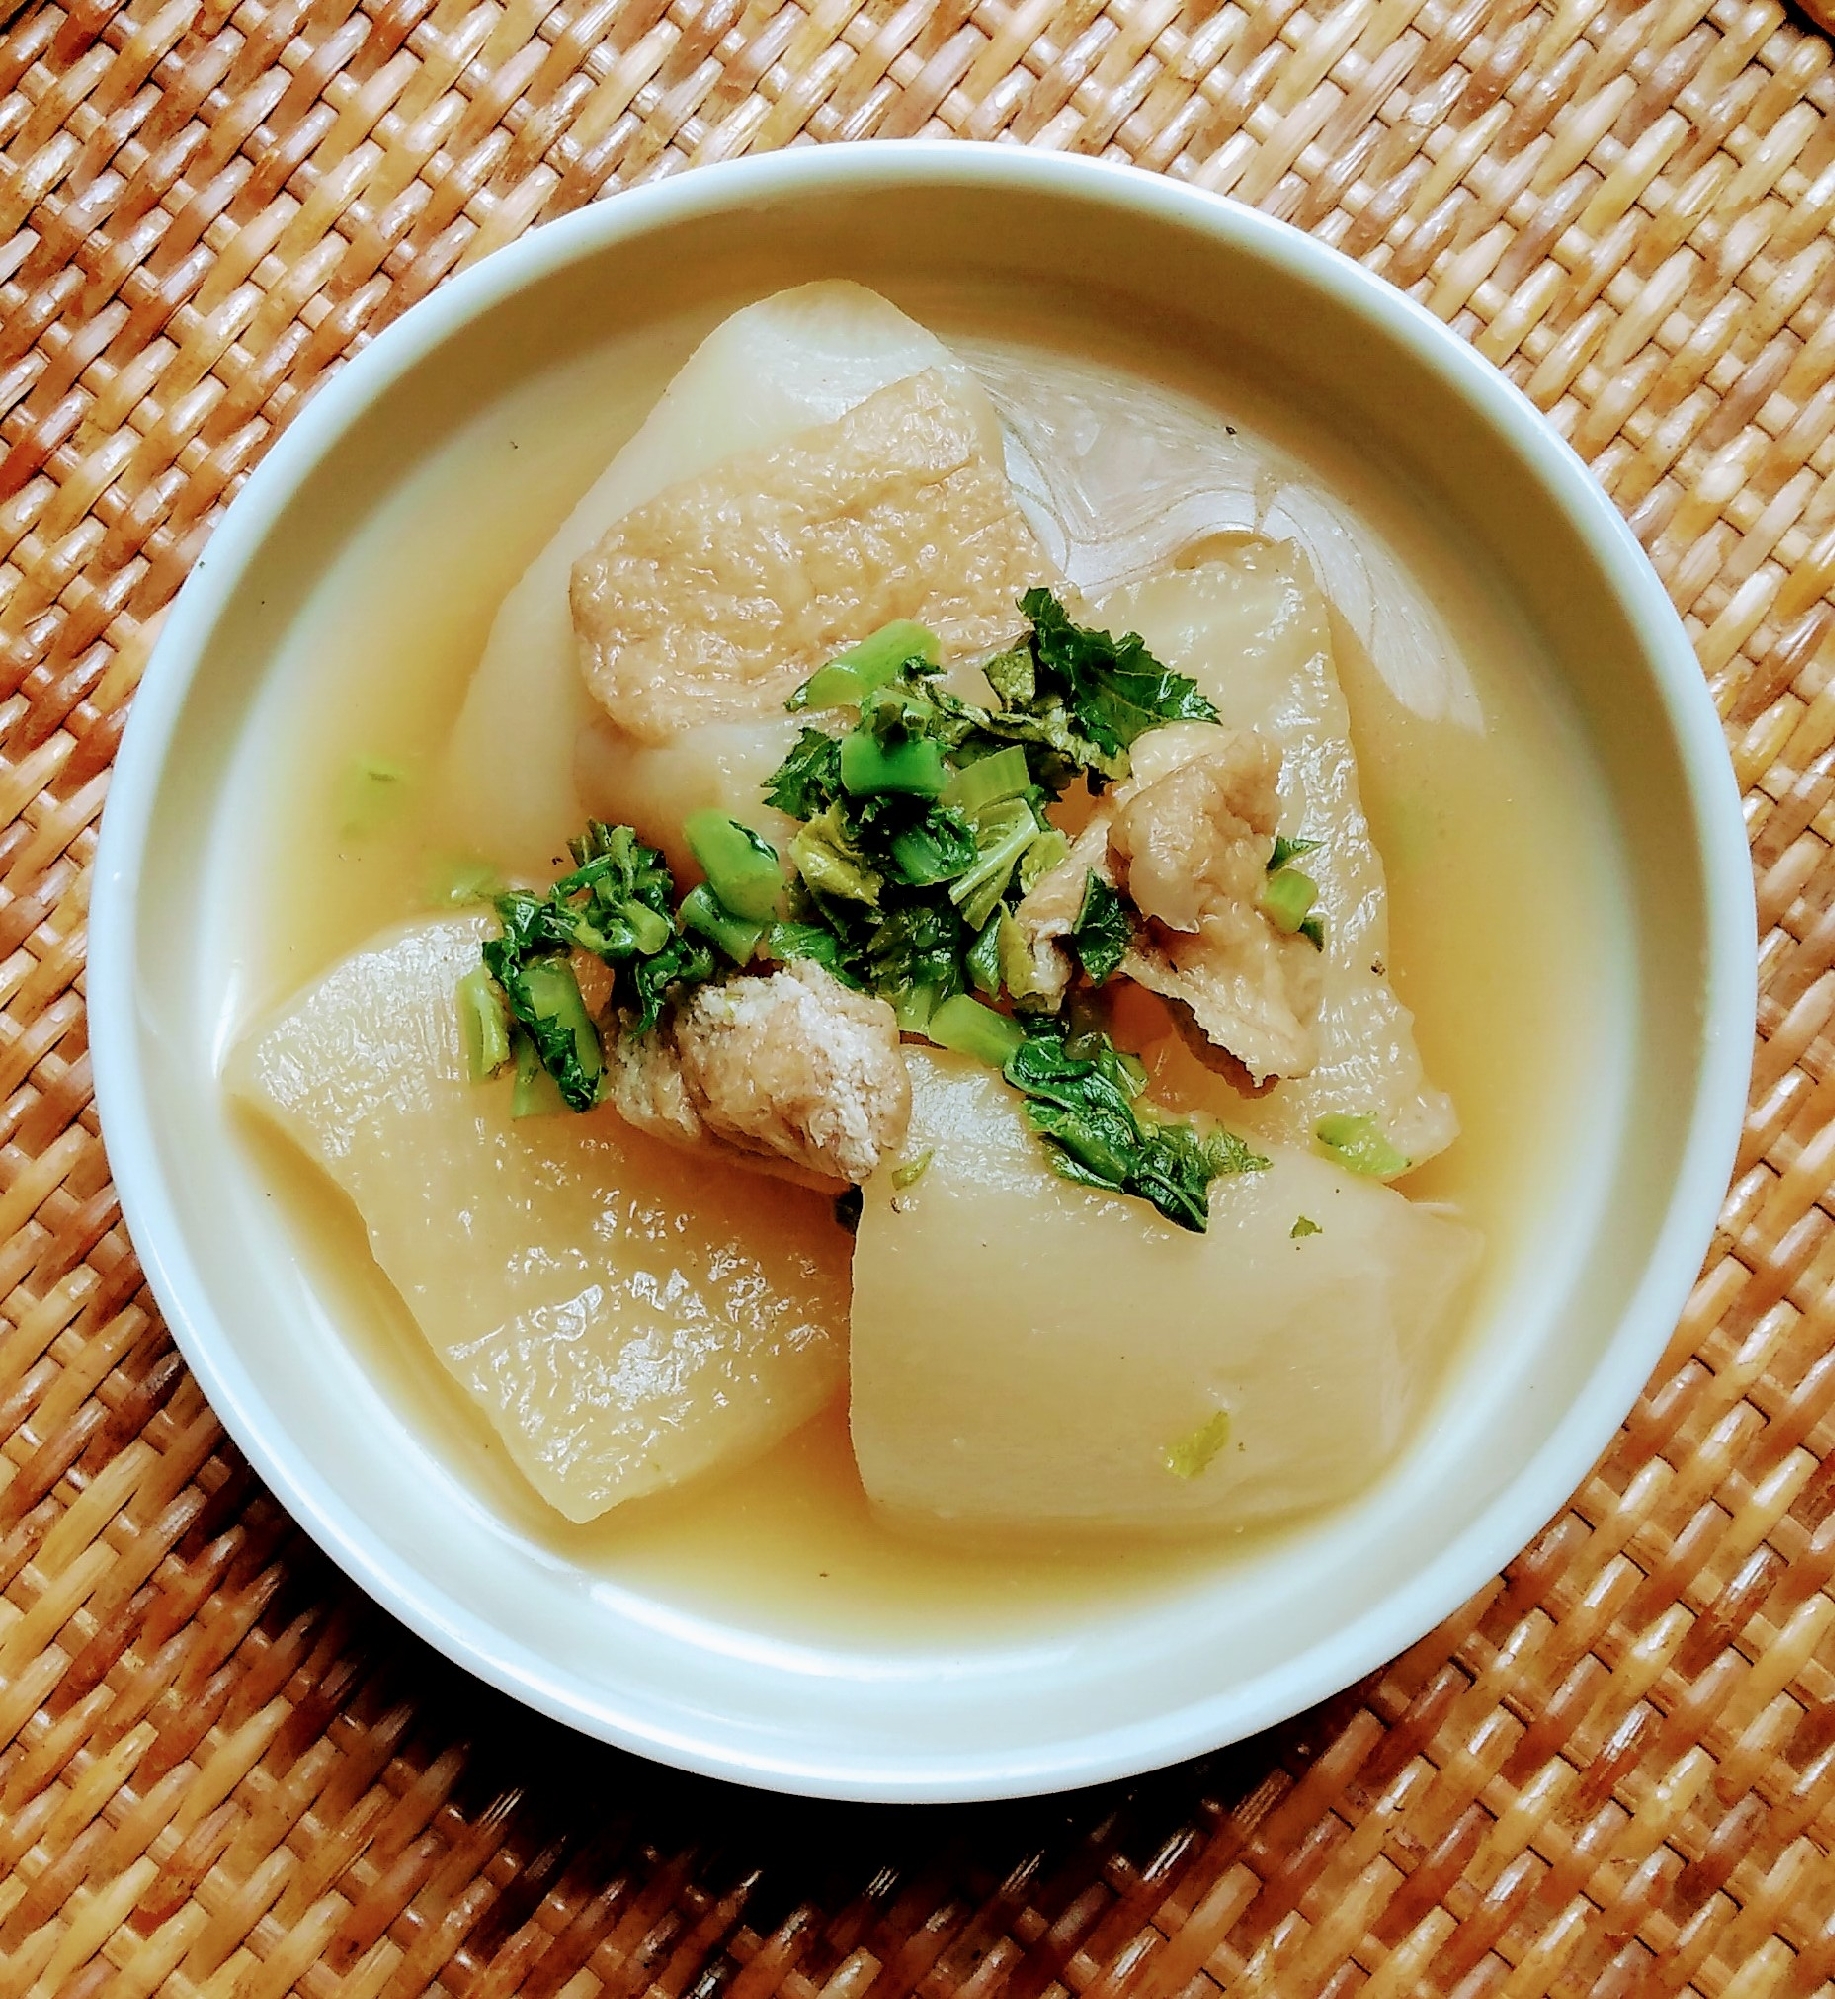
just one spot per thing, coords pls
(626, 1316)
(725, 765)
(1030, 1353)
(1250, 627)
(792, 361)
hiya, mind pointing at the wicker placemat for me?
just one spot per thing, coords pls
(223, 1771)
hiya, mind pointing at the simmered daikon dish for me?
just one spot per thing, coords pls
(881, 917)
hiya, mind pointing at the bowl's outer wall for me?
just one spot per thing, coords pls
(1240, 285)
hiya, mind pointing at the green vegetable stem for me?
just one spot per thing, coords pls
(970, 1028)
(484, 1029)
(847, 680)
(914, 766)
(1357, 1141)
(741, 867)
(989, 779)
(1288, 899)
(707, 916)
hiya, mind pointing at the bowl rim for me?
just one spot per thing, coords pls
(1489, 1540)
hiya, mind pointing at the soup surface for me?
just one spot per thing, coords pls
(1504, 895)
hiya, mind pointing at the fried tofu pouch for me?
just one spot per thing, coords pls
(769, 374)
(717, 599)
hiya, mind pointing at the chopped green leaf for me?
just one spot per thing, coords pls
(1002, 834)
(986, 957)
(1081, 1100)
(1102, 933)
(1191, 1455)
(1046, 851)
(684, 961)
(1104, 690)
(741, 867)
(615, 903)
(1286, 850)
(808, 781)
(824, 855)
(1355, 1140)
(707, 916)
(788, 941)
(1304, 1226)
(1179, 1164)
(484, 1028)
(1013, 675)
(970, 1028)
(1089, 1043)
(919, 943)
(908, 1172)
(1287, 899)
(1056, 749)
(935, 848)
(1313, 930)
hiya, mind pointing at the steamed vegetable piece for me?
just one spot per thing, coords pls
(1251, 628)
(619, 1326)
(742, 869)
(793, 361)
(1028, 1353)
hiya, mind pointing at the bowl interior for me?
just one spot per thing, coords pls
(1030, 1695)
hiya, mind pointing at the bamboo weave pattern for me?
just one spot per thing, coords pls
(221, 1771)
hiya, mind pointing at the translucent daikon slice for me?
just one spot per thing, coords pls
(1250, 626)
(1030, 1353)
(625, 1315)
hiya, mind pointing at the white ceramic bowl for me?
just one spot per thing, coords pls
(1261, 1639)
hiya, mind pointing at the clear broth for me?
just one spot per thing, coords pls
(1496, 839)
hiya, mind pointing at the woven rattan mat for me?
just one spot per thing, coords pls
(221, 1771)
